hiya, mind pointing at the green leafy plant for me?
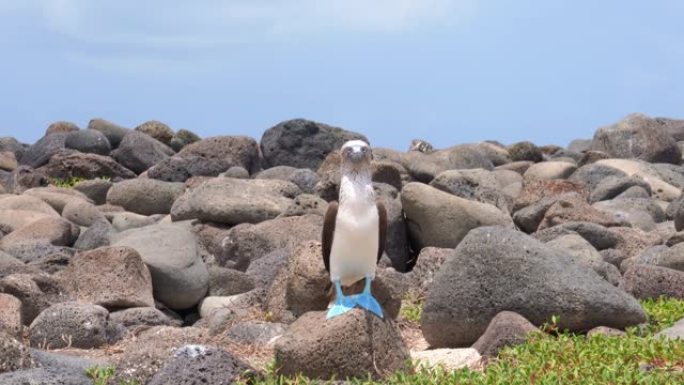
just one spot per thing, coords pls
(412, 308)
(71, 181)
(103, 375)
(100, 375)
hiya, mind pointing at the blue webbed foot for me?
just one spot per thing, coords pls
(342, 303)
(366, 300)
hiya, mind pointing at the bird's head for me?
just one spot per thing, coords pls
(356, 155)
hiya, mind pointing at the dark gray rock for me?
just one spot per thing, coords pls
(14, 355)
(599, 236)
(439, 219)
(113, 132)
(320, 349)
(97, 235)
(35, 291)
(397, 244)
(182, 138)
(638, 136)
(113, 277)
(674, 127)
(642, 213)
(88, 141)
(139, 152)
(71, 164)
(425, 167)
(302, 143)
(645, 281)
(304, 178)
(256, 332)
(428, 263)
(226, 282)
(202, 365)
(64, 362)
(525, 151)
(635, 192)
(591, 175)
(179, 276)
(244, 243)
(45, 376)
(612, 186)
(506, 329)
(496, 269)
(70, 324)
(236, 172)
(580, 145)
(40, 152)
(8, 143)
(234, 201)
(61, 127)
(145, 196)
(142, 316)
(209, 157)
(264, 270)
(478, 185)
(157, 130)
(95, 189)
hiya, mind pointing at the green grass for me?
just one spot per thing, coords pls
(563, 358)
(70, 182)
(412, 308)
(104, 376)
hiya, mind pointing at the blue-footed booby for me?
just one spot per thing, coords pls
(354, 231)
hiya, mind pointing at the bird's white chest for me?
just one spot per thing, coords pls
(355, 244)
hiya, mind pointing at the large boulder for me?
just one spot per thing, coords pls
(113, 277)
(82, 213)
(209, 157)
(638, 136)
(320, 348)
(525, 151)
(182, 138)
(94, 189)
(113, 132)
(35, 291)
(52, 231)
(234, 201)
(477, 185)
(642, 213)
(550, 170)
(145, 196)
(179, 276)
(425, 167)
(73, 324)
(138, 152)
(61, 127)
(41, 151)
(88, 141)
(662, 188)
(645, 281)
(534, 191)
(439, 219)
(302, 143)
(199, 364)
(71, 164)
(157, 130)
(496, 269)
(506, 329)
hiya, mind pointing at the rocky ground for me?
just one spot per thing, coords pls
(170, 259)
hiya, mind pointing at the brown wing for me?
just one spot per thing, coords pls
(382, 214)
(328, 232)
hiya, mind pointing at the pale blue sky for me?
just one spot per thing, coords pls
(446, 71)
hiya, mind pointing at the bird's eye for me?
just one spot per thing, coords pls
(364, 149)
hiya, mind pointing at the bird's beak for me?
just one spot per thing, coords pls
(356, 154)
